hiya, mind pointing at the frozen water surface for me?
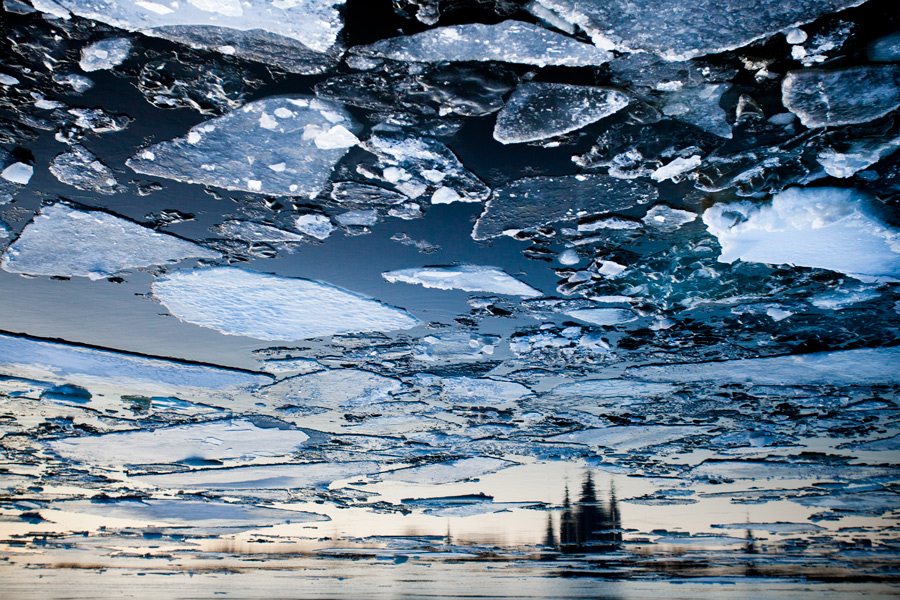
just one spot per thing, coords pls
(443, 298)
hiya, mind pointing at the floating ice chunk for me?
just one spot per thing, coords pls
(537, 111)
(536, 201)
(216, 440)
(615, 223)
(886, 49)
(18, 173)
(828, 228)
(675, 169)
(612, 388)
(78, 167)
(68, 242)
(280, 477)
(447, 472)
(241, 149)
(861, 155)
(291, 365)
(104, 54)
(700, 106)
(841, 97)
(268, 307)
(470, 278)
(455, 346)
(779, 527)
(679, 31)
(871, 502)
(509, 41)
(603, 316)
(568, 257)
(8, 79)
(250, 231)
(625, 438)
(78, 83)
(4, 230)
(116, 373)
(462, 506)
(666, 218)
(865, 366)
(317, 226)
(357, 218)
(472, 391)
(336, 137)
(336, 388)
(778, 314)
(761, 470)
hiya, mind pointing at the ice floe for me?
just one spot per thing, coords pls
(282, 476)
(603, 316)
(18, 172)
(336, 388)
(104, 54)
(281, 146)
(447, 472)
(470, 278)
(80, 168)
(624, 438)
(68, 242)
(269, 307)
(842, 97)
(251, 231)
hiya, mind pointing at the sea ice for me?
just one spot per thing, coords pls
(281, 146)
(509, 41)
(860, 155)
(536, 201)
(625, 438)
(68, 242)
(886, 49)
(682, 30)
(700, 106)
(79, 168)
(104, 54)
(828, 228)
(474, 391)
(537, 111)
(216, 440)
(336, 388)
(447, 472)
(280, 477)
(470, 278)
(676, 168)
(865, 366)
(841, 97)
(269, 307)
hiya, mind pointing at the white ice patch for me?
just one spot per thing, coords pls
(447, 472)
(470, 278)
(828, 228)
(268, 307)
(250, 231)
(18, 173)
(216, 440)
(277, 477)
(67, 242)
(675, 169)
(666, 218)
(335, 388)
(628, 437)
(603, 316)
(317, 226)
(105, 54)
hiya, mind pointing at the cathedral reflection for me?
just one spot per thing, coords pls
(587, 525)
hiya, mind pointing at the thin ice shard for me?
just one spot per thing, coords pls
(268, 307)
(470, 278)
(281, 146)
(68, 242)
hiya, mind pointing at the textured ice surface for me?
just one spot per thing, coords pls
(471, 391)
(79, 168)
(104, 371)
(537, 201)
(337, 388)
(250, 231)
(284, 476)
(666, 218)
(886, 49)
(317, 226)
(682, 30)
(674, 169)
(68, 242)
(281, 146)
(216, 440)
(841, 97)
(701, 107)
(603, 316)
(537, 111)
(509, 41)
(105, 54)
(865, 366)
(612, 388)
(448, 472)
(861, 155)
(470, 278)
(628, 437)
(828, 228)
(268, 307)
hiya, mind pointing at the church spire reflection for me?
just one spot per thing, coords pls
(590, 526)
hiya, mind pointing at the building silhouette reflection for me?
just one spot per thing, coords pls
(589, 525)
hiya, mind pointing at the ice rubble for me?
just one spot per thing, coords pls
(216, 440)
(109, 373)
(447, 472)
(79, 168)
(842, 97)
(537, 111)
(255, 29)
(537, 201)
(625, 438)
(828, 228)
(470, 278)
(281, 476)
(64, 241)
(509, 41)
(104, 54)
(864, 366)
(683, 30)
(269, 307)
(281, 146)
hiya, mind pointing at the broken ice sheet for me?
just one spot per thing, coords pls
(80, 168)
(269, 307)
(281, 146)
(216, 440)
(537, 201)
(509, 41)
(337, 388)
(828, 228)
(537, 111)
(64, 241)
(470, 278)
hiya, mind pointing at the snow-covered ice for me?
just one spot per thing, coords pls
(18, 173)
(269, 307)
(828, 228)
(470, 278)
(472, 391)
(68, 242)
(104, 54)
(537, 111)
(317, 226)
(281, 146)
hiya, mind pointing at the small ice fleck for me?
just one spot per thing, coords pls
(568, 257)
